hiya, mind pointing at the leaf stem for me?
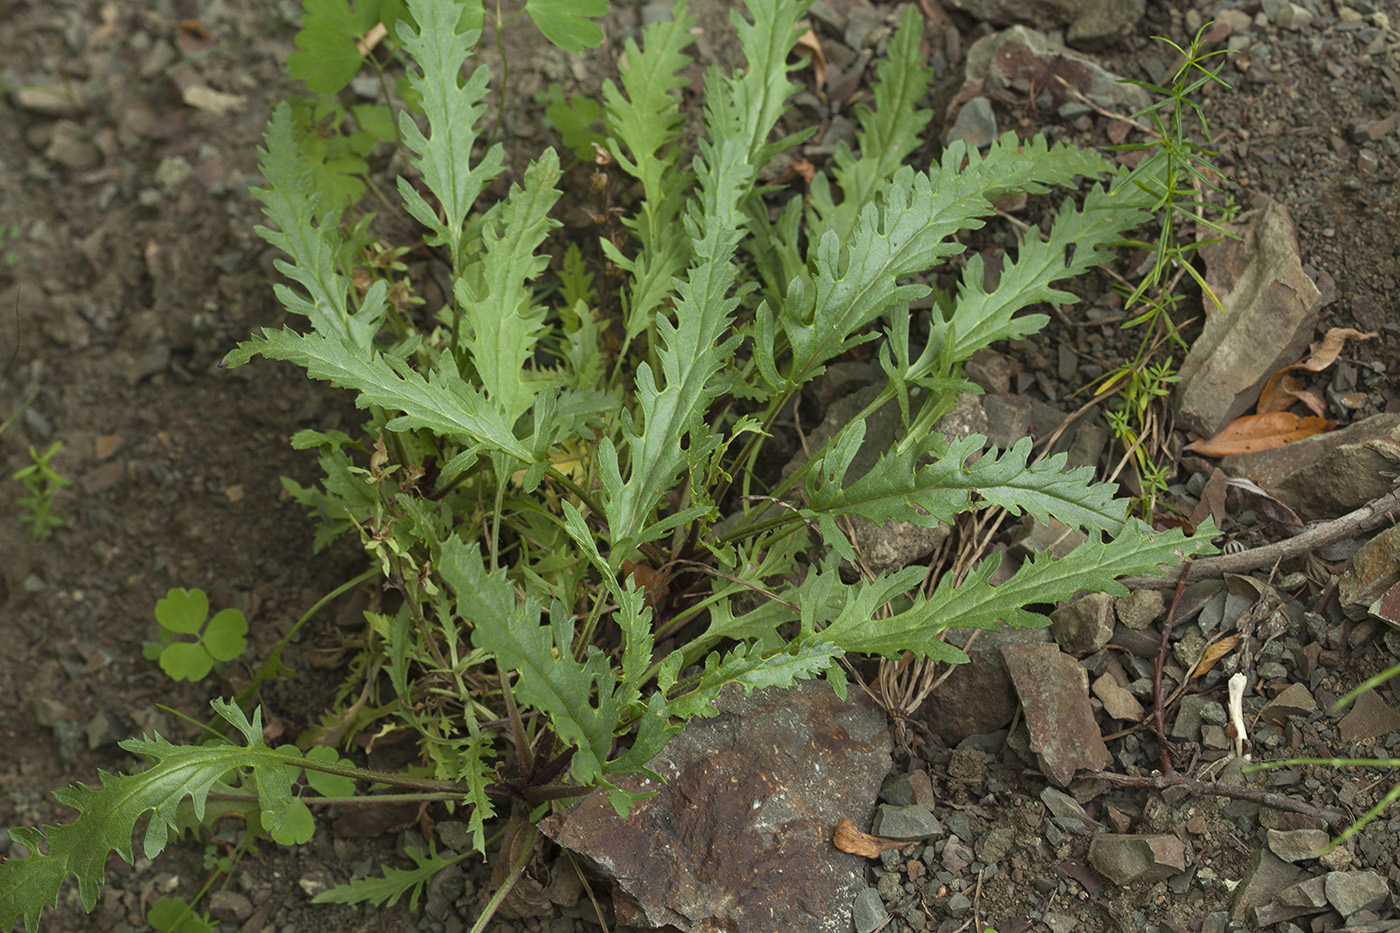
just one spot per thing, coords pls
(274, 661)
(508, 885)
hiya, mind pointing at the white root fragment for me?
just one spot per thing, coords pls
(1236, 687)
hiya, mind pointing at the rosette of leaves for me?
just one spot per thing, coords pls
(568, 497)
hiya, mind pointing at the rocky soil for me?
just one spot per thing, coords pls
(129, 267)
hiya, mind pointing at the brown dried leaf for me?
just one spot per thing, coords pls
(1212, 504)
(849, 839)
(1325, 352)
(1214, 652)
(191, 36)
(1271, 507)
(1282, 390)
(809, 41)
(797, 168)
(653, 581)
(1260, 432)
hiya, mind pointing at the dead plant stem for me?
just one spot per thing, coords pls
(1364, 519)
(1196, 788)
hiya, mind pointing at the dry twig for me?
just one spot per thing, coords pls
(1364, 519)
(1196, 788)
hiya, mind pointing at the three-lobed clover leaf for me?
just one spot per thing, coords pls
(184, 612)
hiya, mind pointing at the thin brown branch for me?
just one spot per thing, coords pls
(1364, 519)
(1196, 788)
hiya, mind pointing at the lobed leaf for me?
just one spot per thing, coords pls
(503, 320)
(289, 200)
(1073, 246)
(576, 695)
(108, 815)
(901, 488)
(475, 769)
(183, 611)
(739, 114)
(1094, 565)
(225, 635)
(907, 235)
(385, 891)
(327, 56)
(754, 668)
(440, 46)
(186, 660)
(565, 22)
(644, 126)
(443, 402)
(888, 134)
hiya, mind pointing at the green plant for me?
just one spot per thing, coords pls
(41, 482)
(9, 233)
(336, 41)
(1172, 173)
(577, 120)
(174, 914)
(217, 639)
(548, 507)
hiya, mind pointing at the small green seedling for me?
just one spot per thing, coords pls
(183, 612)
(9, 233)
(175, 915)
(577, 119)
(41, 482)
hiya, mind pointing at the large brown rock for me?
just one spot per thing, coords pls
(739, 837)
(1328, 475)
(1054, 692)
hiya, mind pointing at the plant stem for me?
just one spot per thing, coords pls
(516, 871)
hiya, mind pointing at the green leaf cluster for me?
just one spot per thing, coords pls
(41, 481)
(583, 468)
(567, 479)
(217, 639)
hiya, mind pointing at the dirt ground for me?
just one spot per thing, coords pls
(133, 268)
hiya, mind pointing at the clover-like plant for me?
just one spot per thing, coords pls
(183, 614)
(571, 485)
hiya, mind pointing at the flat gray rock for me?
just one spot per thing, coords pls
(1128, 859)
(1369, 718)
(1351, 892)
(1268, 311)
